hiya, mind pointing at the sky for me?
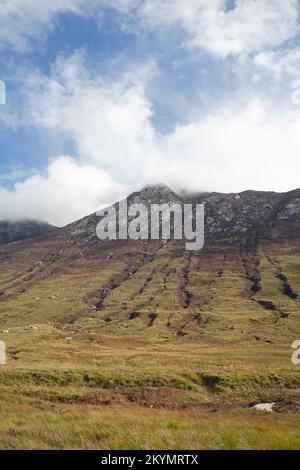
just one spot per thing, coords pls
(106, 96)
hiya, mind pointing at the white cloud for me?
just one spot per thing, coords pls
(67, 192)
(242, 146)
(109, 122)
(23, 20)
(250, 26)
(248, 145)
(234, 150)
(280, 62)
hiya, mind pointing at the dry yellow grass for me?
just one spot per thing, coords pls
(33, 424)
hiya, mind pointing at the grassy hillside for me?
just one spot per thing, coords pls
(181, 343)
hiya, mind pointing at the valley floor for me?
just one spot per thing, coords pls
(34, 424)
(144, 397)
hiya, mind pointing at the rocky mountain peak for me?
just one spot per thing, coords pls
(234, 214)
(154, 194)
(258, 213)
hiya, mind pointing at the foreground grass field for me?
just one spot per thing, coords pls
(35, 424)
(164, 408)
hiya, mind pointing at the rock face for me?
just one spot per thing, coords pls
(269, 214)
(22, 230)
(250, 211)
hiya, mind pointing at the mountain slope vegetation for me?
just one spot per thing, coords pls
(148, 324)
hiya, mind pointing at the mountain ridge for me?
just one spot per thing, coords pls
(226, 214)
(70, 300)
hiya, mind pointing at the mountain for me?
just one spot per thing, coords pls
(245, 234)
(266, 214)
(21, 230)
(150, 322)
(226, 215)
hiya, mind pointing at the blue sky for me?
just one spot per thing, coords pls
(105, 96)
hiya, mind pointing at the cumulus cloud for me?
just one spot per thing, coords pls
(108, 121)
(235, 150)
(246, 145)
(67, 192)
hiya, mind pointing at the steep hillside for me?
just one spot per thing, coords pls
(249, 263)
(155, 323)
